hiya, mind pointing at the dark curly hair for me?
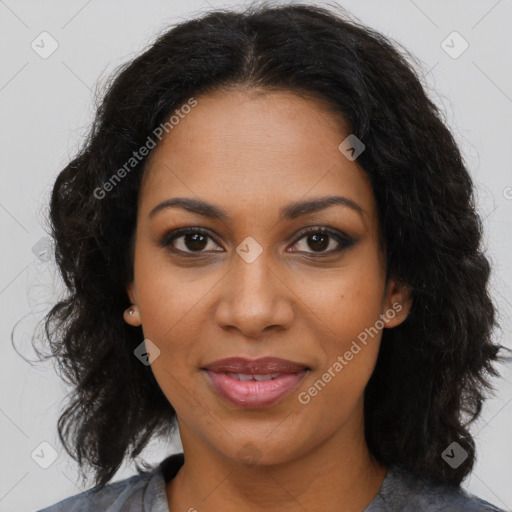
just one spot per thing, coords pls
(433, 370)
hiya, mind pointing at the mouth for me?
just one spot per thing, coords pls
(254, 383)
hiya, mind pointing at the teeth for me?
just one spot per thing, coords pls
(242, 376)
(266, 377)
(245, 376)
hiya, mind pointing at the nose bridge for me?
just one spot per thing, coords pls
(253, 279)
(254, 297)
(251, 269)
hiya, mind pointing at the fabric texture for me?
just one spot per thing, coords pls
(400, 491)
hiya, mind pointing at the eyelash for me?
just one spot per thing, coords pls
(344, 241)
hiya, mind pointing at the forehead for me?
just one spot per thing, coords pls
(257, 148)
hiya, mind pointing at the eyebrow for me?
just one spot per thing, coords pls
(288, 212)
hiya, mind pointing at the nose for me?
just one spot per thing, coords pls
(254, 299)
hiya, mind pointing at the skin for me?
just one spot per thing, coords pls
(252, 152)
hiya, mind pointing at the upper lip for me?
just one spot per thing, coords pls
(262, 366)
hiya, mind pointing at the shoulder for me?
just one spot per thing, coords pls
(403, 491)
(128, 495)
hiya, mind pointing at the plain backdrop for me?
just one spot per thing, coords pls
(46, 105)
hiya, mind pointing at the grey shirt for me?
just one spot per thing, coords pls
(400, 491)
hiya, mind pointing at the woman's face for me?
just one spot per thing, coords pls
(253, 284)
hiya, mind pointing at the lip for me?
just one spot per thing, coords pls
(261, 366)
(253, 393)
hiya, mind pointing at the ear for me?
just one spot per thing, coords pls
(133, 319)
(397, 303)
(132, 294)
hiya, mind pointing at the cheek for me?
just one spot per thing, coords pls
(351, 310)
(352, 298)
(173, 317)
(337, 387)
(170, 298)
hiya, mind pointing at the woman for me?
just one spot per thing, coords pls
(270, 241)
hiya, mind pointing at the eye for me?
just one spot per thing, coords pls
(187, 241)
(320, 238)
(193, 240)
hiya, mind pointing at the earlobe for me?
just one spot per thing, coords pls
(131, 316)
(397, 304)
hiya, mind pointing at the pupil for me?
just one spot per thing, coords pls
(319, 237)
(196, 238)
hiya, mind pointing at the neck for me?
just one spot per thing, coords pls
(339, 475)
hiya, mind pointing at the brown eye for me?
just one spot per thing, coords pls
(317, 242)
(195, 241)
(189, 240)
(319, 239)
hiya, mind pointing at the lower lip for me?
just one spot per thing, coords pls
(252, 393)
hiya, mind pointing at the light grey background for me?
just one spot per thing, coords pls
(46, 106)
